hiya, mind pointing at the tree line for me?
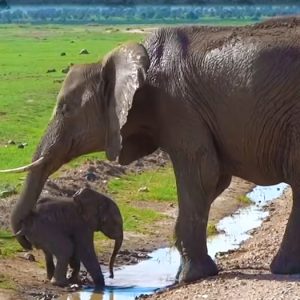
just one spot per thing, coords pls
(141, 14)
(146, 2)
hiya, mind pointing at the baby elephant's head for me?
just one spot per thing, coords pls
(102, 214)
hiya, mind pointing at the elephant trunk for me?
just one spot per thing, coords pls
(21, 238)
(118, 244)
(32, 189)
(36, 178)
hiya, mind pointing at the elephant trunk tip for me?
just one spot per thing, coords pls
(23, 241)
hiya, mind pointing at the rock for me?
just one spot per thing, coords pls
(63, 54)
(143, 189)
(22, 145)
(90, 176)
(84, 51)
(51, 70)
(74, 288)
(29, 256)
(91, 169)
(58, 80)
(65, 70)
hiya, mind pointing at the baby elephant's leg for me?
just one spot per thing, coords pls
(63, 250)
(49, 264)
(75, 265)
(85, 248)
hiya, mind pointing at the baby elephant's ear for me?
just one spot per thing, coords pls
(124, 71)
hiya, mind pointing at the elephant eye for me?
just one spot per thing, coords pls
(65, 110)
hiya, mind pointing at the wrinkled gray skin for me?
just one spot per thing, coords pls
(222, 102)
(64, 227)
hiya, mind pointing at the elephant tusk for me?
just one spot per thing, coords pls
(25, 168)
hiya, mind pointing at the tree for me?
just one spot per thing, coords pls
(3, 4)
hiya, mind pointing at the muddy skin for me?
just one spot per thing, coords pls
(221, 102)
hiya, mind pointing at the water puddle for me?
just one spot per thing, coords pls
(159, 271)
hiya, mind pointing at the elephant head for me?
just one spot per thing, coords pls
(102, 214)
(91, 109)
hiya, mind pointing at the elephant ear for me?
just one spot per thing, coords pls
(124, 71)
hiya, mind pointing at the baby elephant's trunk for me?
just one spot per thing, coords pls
(118, 244)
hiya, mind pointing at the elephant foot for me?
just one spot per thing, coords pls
(60, 283)
(99, 283)
(74, 280)
(190, 271)
(285, 263)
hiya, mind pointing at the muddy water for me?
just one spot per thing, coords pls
(160, 270)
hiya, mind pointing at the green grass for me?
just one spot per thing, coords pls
(28, 96)
(137, 219)
(159, 185)
(7, 283)
(8, 244)
(244, 199)
(28, 93)
(211, 229)
(27, 99)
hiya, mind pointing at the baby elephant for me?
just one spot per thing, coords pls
(64, 227)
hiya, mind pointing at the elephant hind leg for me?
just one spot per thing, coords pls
(63, 250)
(75, 265)
(49, 264)
(287, 259)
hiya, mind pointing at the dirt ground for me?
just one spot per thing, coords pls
(245, 273)
(29, 277)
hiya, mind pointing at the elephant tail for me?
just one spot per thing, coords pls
(118, 244)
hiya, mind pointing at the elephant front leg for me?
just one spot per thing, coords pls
(87, 255)
(287, 259)
(198, 183)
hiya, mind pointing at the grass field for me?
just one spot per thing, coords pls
(28, 92)
(27, 98)
(28, 95)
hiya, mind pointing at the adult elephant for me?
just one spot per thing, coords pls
(220, 101)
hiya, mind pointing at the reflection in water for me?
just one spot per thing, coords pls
(160, 270)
